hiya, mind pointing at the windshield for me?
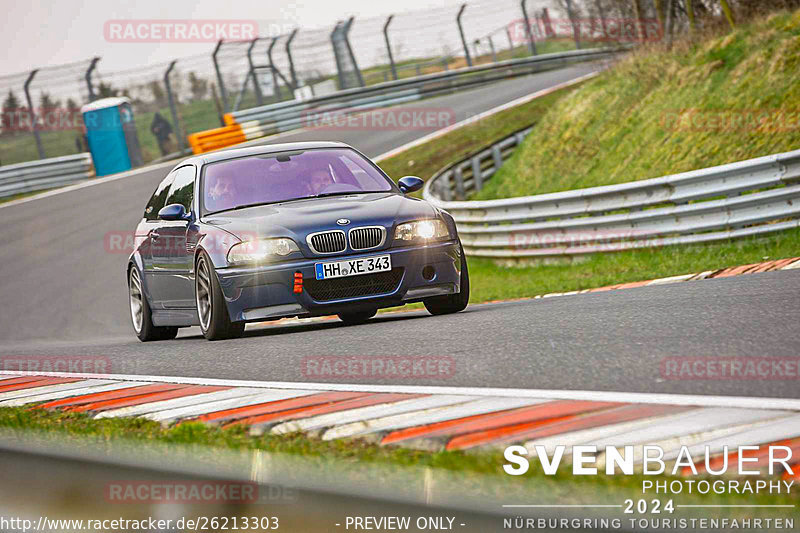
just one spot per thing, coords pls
(284, 176)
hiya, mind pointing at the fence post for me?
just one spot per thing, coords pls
(494, 52)
(346, 31)
(272, 67)
(389, 46)
(292, 73)
(339, 65)
(222, 93)
(528, 32)
(575, 28)
(510, 40)
(256, 86)
(461, 32)
(34, 126)
(88, 78)
(173, 109)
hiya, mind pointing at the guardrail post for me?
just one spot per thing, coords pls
(497, 155)
(272, 67)
(446, 193)
(34, 126)
(477, 175)
(292, 73)
(528, 32)
(389, 46)
(173, 109)
(88, 78)
(458, 174)
(461, 32)
(222, 92)
(256, 86)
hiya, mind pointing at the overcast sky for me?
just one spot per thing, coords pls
(51, 32)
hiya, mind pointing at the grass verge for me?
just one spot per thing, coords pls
(704, 103)
(492, 282)
(481, 469)
(426, 159)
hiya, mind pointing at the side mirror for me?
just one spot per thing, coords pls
(173, 212)
(409, 184)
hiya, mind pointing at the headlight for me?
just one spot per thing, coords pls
(432, 229)
(261, 251)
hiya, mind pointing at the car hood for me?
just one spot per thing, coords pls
(299, 218)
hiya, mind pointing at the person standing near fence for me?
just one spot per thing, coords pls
(161, 129)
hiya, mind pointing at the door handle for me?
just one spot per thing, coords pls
(154, 235)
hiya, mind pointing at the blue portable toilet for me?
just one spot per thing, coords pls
(111, 135)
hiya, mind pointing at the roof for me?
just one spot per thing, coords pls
(268, 149)
(103, 103)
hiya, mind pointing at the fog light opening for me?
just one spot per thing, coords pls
(428, 273)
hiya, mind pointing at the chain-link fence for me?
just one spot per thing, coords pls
(190, 94)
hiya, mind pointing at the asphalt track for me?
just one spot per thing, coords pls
(63, 293)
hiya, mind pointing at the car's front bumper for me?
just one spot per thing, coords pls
(266, 292)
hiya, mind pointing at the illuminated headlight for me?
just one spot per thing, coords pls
(261, 251)
(422, 230)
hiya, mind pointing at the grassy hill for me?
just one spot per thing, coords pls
(711, 101)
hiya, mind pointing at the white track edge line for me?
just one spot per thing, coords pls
(743, 402)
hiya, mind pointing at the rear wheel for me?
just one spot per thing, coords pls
(214, 320)
(360, 317)
(451, 303)
(140, 312)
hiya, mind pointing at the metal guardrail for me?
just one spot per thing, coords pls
(750, 197)
(274, 118)
(45, 174)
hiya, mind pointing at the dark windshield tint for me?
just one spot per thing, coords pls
(289, 176)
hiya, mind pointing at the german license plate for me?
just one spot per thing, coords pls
(353, 267)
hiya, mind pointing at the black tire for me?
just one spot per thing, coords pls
(140, 312)
(451, 303)
(214, 320)
(351, 319)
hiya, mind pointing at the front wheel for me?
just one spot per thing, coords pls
(451, 303)
(360, 317)
(141, 315)
(211, 309)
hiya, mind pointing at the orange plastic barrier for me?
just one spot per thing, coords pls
(206, 141)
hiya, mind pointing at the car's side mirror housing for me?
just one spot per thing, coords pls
(173, 212)
(409, 184)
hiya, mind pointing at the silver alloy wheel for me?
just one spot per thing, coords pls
(137, 299)
(203, 293)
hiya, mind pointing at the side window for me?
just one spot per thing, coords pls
(158, 200)
(182, 188)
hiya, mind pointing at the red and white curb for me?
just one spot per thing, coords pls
(421, 417)
(768, 266)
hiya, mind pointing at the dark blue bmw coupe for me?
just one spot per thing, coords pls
(300, 229)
